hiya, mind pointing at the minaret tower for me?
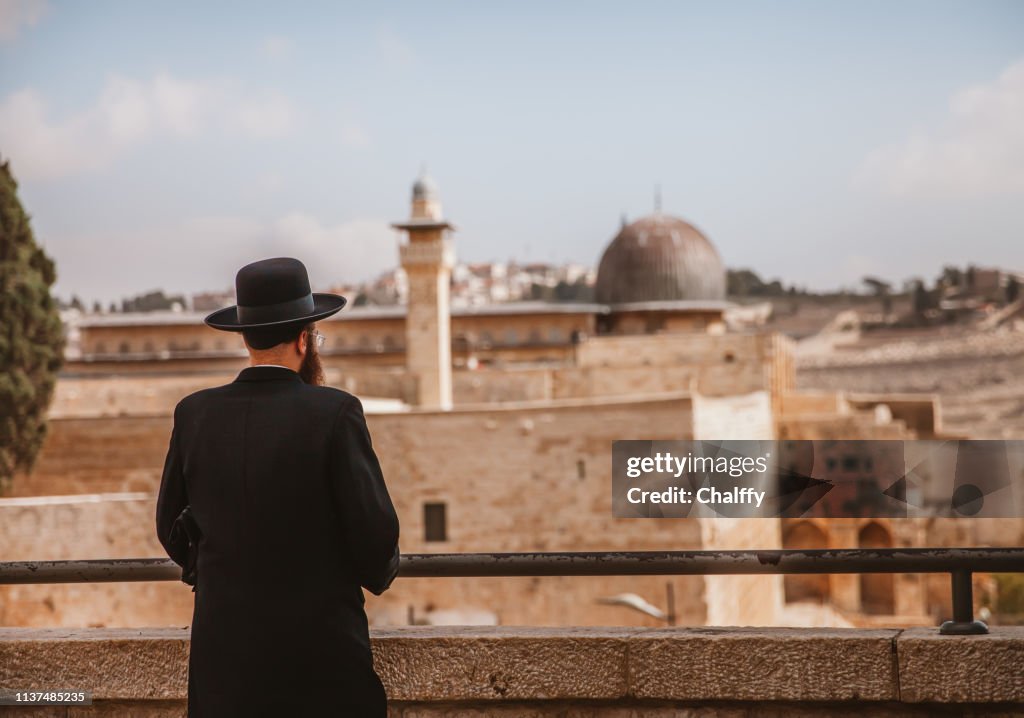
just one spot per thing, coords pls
(427, 258)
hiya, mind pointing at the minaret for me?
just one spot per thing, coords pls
(427, 258)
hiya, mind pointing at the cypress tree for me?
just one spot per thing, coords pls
(31, 336)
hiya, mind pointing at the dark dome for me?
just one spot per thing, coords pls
(424, 187)
(659, 258)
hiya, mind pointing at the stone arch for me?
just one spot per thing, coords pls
(877, 590)
(811, 586)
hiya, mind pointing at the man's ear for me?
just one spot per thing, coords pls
(303, 343)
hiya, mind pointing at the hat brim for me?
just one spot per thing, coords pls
(324, 305)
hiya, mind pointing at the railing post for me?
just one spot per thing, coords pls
(963, 623)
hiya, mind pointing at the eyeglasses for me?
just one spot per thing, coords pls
(317, 337)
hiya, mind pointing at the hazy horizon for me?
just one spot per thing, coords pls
(162, 147)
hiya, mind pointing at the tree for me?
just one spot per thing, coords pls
(919, 299)
(878, 287)
(31, 336)
(1012, 289)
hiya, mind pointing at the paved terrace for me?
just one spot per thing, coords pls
(575, 672)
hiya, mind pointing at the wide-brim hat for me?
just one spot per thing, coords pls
(271, 293)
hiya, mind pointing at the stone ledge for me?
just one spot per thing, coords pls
(968, 669)
(500, 663)
(481, 665)
(125, 663)
(771, 664)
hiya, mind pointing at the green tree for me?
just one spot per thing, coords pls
(31, 336)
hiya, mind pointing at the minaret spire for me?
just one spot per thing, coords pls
(427, 258)
(657, 198)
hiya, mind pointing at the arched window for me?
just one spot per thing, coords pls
(805, 587)
(877, 590)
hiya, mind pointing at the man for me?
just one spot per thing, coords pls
(291, 513)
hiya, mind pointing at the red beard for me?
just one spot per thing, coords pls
(311, 370)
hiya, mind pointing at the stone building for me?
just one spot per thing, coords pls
(494, 427)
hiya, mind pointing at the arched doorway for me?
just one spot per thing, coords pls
(877, 590)
(805, 587)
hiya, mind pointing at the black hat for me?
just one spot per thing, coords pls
(273, 292)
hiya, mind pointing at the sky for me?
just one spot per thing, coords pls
(164, 145)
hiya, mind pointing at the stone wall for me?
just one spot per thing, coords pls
(362, 333)
(602, 366)
(743, 416)
(514, 477)
(593, 673)
(86, 527)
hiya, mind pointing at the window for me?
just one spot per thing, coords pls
(850, 463)
(581, 469)
(435, 523)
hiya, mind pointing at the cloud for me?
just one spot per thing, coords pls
(16, 14)
(394, 48)
(129, 112)
(271, 115)
(355, 250)
(204, 253)
(353, 135)
(977, 150)
(277, 47)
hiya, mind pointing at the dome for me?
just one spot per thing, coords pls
(424, 188)
(659, 258)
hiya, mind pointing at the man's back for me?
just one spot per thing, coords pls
(289, 498)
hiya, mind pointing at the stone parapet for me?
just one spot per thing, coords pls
(620, 672)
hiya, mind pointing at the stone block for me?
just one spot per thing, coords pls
(501, 663)
(961, 669)
(114, 663)
(763, 664)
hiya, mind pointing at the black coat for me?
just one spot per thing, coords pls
(288, 495)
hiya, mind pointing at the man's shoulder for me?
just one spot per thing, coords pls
(329, 395)
(325, 396)
(196, 398)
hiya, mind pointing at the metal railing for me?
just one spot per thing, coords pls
(959, 563)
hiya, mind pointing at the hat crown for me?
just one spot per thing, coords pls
(271, 281)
